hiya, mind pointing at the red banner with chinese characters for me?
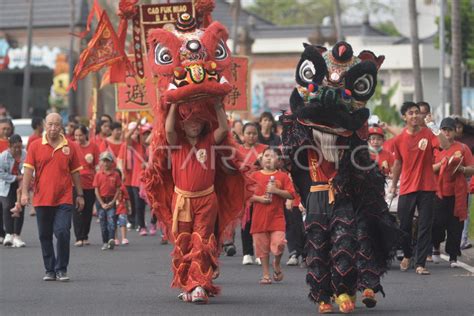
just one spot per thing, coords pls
(131, 95)
(237, 99)
(152, 16)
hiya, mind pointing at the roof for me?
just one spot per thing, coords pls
(46, 13)
(274, 31)
(427, 40)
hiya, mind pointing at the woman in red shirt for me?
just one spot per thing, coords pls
(89, 157)
(268, 218)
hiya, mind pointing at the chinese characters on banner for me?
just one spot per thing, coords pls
(151, 16)
(131, 95)
(237, 99)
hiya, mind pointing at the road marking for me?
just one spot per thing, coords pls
(460, 264)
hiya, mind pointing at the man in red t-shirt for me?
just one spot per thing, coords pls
(453, 164)
(414, 156)
(56, 165)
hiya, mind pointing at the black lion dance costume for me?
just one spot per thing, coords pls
(351, 236)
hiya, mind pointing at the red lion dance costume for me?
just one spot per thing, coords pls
(190, 64)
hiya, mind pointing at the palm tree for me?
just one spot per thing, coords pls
(456, 46)
(415, 50)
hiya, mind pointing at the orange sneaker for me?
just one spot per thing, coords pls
(368, 298)
(345, 303)
(325, 308)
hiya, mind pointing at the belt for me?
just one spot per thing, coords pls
(182, 209)
(324, 187)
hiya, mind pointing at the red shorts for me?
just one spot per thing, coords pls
(269, 241)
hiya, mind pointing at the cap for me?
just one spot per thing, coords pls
(376, 130)
(448, 122)
(147, 127)
(106, 156)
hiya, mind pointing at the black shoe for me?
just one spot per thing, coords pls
(230, 250)
(62, 276)
(465, 246)
(49, 276)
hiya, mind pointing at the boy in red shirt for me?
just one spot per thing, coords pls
(377, 153)
(273, 187)
(123, 205)
(414, 156)
(107, 185)
(452, 165)
(194, 204)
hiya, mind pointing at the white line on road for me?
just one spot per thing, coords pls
(461, 264)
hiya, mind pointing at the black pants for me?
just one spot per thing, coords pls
(139, 208)
(444, 222)
(423, 200)
(295, 231)
(13, 225)
(82, 220)
(131, 216)
(331, 247)
(247, 240)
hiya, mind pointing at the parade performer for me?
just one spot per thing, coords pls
(194, 186)
(350, 234)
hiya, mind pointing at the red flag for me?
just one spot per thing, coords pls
(103, 49)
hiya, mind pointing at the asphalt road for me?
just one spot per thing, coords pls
(134, 280)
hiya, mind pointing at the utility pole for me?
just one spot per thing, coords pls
(456, 58)
(27, 71)
(235, 25)
(337, 20)
(442, 45)
(72, 94)
(415, 50)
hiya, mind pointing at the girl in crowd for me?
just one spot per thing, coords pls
(89, 157)
(103, 131)
(11, 162)
(268, 219)
(113, 143)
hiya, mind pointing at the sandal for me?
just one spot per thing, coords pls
(405, 264)
(265, 281)
(277, 276)
(422, 271)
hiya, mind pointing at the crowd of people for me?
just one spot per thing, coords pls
(98, 171)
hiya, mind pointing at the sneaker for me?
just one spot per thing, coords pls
(152, 229)
(436, 258)
(117, 242)
(325, 308)
(125, 241)
(105, 247)
(62, 276)
(8, 241)
(111, 244)
(346, 305)
(18, 243)
(293, 261)
(400, 255)
(199, 296)
(258, 261)
(247, 260)
(49, 276)
(453, 264)
(230, 250)
(466, 245)
(143, 232)
(185, 297)
(129, 226)
(368, 298)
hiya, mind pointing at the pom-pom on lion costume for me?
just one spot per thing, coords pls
(350, 233)
(190, 63)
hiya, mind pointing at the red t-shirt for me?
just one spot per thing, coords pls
(384, 159)
(192, 166)
(132, 157)
(388, 145)
(4, 144)
(122, 200)
(416, 152)
(89, 156)
(270, 217)
(108, 182)
(457, 150)
(31, 139)
(251, 154)
(53, 168)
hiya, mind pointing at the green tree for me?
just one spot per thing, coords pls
(380, 105)
(467, 32)
(293, 12)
